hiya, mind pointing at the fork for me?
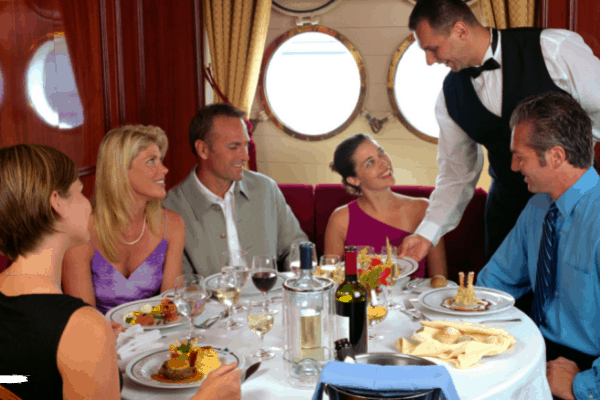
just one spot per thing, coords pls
(213, 320)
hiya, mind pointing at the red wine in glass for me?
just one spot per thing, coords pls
(264, 280)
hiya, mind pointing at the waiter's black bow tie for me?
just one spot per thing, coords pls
(489, 65)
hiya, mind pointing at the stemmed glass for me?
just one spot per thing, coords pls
(264, 276)
(294, 257)
(393, 273)
(190, 298)
(237, 261)
(369, 253)
(260, 321)
(377, 309)
(331, 268)
(228, 293)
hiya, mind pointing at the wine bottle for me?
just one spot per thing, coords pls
(351, 306)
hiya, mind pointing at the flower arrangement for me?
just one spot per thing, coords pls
(375, 275)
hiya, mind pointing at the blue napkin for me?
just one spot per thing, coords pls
(386, 381)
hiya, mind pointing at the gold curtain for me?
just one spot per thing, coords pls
(237, 31)
(502, 14)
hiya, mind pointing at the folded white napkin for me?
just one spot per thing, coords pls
(134, 341)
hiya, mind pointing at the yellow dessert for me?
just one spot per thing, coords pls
(465, 295)
(207, 360)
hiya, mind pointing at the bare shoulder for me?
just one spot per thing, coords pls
(83, 253)
(340, 216)
(176, 225)
(86, 323)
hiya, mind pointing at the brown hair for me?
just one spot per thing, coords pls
(557, 119)
(202, 123)
(441, 14)
(29, 174)
(344, 163)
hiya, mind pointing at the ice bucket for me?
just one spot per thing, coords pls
(385, 359)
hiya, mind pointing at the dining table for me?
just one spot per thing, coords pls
(517, 373)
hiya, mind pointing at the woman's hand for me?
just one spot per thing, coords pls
(221, 384)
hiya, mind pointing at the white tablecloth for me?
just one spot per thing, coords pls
(519, 373)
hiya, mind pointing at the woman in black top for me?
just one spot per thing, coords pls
(64, 347)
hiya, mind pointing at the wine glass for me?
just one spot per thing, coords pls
(330, 267)
(393, 273)
(237, 260)
(377, 309)
(294, 257)
(190, 298)
(264, 276)
(369, 253)
(228, 293)
(260, 321)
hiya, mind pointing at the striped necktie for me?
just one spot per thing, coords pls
(546, 266)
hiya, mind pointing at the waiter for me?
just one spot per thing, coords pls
(491, 71)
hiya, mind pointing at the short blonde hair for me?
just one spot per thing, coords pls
(113, 195)
(29, 174)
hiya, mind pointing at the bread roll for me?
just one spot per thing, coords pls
(438, 281)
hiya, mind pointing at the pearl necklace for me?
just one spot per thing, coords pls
(142, 234)
(48, 276)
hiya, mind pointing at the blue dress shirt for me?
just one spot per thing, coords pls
(572, 313)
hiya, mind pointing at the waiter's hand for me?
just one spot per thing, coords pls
(415, 247)
(560, 374)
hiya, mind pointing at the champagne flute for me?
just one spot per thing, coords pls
(260, 321)
(377, 309)
(264, 276)
(228, 293)
(393, 273)
(190, 298)
(237, 260)
(294, 257)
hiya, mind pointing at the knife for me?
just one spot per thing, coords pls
(251, 370)
(213, 320)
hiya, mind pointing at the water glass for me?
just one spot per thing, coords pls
(238, 261)
(228, 293)
(393, 273)
(190, 298)
(331, 267)
(294, 257)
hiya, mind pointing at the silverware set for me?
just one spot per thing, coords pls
(213, 320)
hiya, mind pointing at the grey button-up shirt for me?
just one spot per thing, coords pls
(266, 224)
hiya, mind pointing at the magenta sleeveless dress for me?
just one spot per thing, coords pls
(364, 230)
(113, 289)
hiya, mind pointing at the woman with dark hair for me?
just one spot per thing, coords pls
(64, 347)
(378, 212)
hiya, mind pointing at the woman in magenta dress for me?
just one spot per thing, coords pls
(378, 212)
(136, 245)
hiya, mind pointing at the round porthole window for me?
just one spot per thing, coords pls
(312, 82)
(51, 85)
(413, 88)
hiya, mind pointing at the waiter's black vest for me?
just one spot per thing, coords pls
(524, 74)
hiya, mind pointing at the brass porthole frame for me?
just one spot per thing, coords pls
(264, 103)
(392, 97)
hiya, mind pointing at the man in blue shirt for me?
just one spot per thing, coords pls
(551, 146)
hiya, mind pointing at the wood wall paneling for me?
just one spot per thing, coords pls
(581, 16)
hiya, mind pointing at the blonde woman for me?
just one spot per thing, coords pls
(136, 245)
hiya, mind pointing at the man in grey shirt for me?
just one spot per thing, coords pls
(226, 207)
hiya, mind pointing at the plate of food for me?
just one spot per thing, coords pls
(466, 300)
(182, 366)
(248, 289)
(149, 313)
(427, 284)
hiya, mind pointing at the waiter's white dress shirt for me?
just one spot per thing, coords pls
(227, 204)
(572, 66)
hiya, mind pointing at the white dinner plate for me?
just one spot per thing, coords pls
(248, 289)
(407, 266)
(499, 301)
(116, 314)
(425, 285)
(144, 366)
